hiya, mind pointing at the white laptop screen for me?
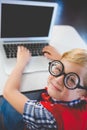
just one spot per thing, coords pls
(33, 20)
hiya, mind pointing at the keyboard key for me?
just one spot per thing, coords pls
(35, 49)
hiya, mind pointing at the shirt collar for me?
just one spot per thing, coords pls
(68, 103)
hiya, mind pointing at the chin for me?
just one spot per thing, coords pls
(52, 94)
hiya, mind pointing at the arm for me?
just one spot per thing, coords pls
(51, 53)
(11, 90)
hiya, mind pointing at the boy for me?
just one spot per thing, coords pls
(61, 106)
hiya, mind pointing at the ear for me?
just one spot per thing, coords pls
(83, 98)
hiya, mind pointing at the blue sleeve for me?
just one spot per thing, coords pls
(37, 117)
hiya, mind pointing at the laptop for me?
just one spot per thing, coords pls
(25, 22)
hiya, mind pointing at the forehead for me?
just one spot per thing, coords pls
(72, 67)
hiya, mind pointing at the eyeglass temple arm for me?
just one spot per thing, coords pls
(82, 87)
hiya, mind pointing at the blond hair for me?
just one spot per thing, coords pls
(78, 56)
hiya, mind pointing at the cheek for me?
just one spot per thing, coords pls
(50, 78)
(82, 79)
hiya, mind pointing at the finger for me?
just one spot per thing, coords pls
(45, 48)
(47, 55)
(46, 52)
(18, 48)
(25, 48)
(22, 48)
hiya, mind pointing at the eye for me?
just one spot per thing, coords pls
(56, 69)
(72, 80)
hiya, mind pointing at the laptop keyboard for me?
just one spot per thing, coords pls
(35, 49)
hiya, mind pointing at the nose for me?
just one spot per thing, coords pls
(60, 79)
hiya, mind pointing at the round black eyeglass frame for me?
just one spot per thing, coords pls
(63, 73)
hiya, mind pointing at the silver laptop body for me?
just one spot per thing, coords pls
(26, 22)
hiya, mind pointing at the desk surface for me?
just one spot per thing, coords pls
(63, 38)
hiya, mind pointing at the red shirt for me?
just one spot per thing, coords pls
(68, 118)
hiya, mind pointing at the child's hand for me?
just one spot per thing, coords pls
(51, 53)
(23, 56)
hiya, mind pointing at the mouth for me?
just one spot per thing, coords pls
(55, 87)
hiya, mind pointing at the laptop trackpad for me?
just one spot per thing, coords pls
(39, 63)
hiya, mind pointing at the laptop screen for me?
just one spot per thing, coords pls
(33, 20)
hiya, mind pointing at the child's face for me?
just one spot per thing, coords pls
(56, 87)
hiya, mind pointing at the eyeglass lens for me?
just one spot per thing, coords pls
(71, 80)
(56, 68)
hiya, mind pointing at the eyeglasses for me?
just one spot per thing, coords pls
(71, 80)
